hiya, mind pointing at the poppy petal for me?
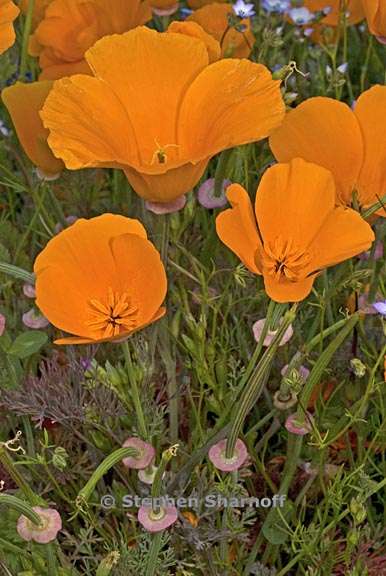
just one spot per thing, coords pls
(370, 110)
(232, 102)
(236, 227)
(8, 13)
(196, 31)
(343, 235)
(292, 202)
(167, 63)
(144, 278)
(286, 291)
(88, 124)
(76, 266)
(326, 132)
(23, 102)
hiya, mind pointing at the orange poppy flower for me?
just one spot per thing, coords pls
(23, 102)
(196, 31)
(165, 116)
(38, 11)
(296, 229)
(8, 13)
(100, 279)
(354, 10)
(70, 27)
(351, 144)
(214, 20)
(375, 11)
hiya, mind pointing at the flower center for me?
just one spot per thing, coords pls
(284, 261)
(112, 316)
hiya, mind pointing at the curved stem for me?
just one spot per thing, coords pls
(142, 428)
(256, 383)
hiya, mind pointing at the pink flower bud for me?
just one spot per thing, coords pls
(29, 291)
(51, 524)
(206, 197)
(257, 329)
(157, 521)
(146, 453)
(71, 219)
(166, 207)
(32, 319)
(300, 428)
(218, 458)
(302, 370)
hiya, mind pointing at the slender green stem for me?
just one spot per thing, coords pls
(17, 272)
(220, 174)
(26, 34)
(255, 385)
(167, 455)
(135, 395)
(20, 506)
(13, 471)
(154, 551)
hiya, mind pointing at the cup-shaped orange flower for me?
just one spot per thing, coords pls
(23, 102)
(158, 110)
(375, 11)
(8, 13)
(349, 143)
(100, 280)
(353, 10)
(214, 20)
(70, 27)
(295, 231)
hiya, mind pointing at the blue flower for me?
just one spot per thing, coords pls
(276, 5)
(380, 307)
(243, 9)
(301, 15)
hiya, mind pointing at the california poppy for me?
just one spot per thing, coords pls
(375, 11)
(70, 27)
(214, 20)
(295, 231)
(23, 102)
(196, 31)
(8, 13)
(156, 109)
(100, 279)
(351, 144)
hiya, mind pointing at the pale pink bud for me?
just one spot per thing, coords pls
(29, 291)
(206, 197)
(300, 428)
(2, 324)
(157, 521)
(46, 532)
(217, 455)
(32, 319)
(146, 453)
(166, 11)
(166, 207)
(257, 329)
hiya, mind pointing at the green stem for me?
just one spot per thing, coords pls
(153, 554)
(26, 34)
(52, 564)
(17, 272)
(220, 173)
(142, 428)
(167, 455)
(13, 471)
(20, 506)
(111, 460)
(255, 385)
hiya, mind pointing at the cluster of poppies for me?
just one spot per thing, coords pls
(159, 106)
